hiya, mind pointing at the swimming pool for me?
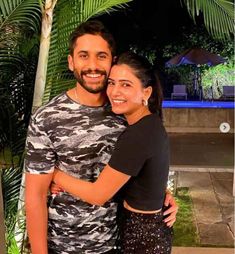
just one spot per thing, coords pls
(198, 104)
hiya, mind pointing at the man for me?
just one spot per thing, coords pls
(76, 132)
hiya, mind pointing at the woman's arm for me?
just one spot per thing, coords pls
(96, 193)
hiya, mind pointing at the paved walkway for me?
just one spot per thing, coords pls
(190, 250)
(204, 164)
(213, 206)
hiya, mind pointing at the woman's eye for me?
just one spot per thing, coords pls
(126, 85)
(110, 83)
(102, 56)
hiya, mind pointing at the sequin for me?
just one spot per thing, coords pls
(145, 234)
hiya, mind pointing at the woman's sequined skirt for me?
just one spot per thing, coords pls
(145, 234)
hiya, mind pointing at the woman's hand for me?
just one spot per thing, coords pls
(54, 187)
(171, 211)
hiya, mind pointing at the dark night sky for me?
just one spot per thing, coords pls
(147, 20)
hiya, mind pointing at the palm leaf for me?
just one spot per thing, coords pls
(10, 60)
(11, 179)
(17, 72)
(67, 16)
(16, 88)
(218, 16)
(19, 23)
(20, 12)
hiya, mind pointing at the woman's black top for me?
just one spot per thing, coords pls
(142, 151)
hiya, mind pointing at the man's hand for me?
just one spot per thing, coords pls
(171, 211)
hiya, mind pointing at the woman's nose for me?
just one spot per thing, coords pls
(115, 90)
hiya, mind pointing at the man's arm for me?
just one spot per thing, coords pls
(171, 211)
(36, 210)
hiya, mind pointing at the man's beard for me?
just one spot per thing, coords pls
(82, 82)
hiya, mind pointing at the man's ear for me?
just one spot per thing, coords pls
(70, 63)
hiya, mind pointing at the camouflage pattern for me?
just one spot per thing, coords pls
(79, 140)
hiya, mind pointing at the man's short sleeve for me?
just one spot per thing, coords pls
(130, 154)
(40, 155)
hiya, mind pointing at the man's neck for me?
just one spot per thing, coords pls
(86, 98)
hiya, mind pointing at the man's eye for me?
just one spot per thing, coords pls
(82, 56)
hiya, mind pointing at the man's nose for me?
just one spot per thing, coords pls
(92, 63)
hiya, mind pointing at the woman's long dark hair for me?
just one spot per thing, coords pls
(143, 71)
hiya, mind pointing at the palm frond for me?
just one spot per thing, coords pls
(11, 179)
(93, 8)
(21, 13)
(19, 22)
(11, 58)
(218, 16)
(67, 16)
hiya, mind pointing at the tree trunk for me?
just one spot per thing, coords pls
(40, 81)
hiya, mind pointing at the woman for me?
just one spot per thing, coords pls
(139, 163)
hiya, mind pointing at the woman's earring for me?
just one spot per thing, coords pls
(145, 102)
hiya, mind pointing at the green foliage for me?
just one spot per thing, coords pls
(147, 52)
(198, 37)
(218, 16)
(184, 74)
(12, 245)
(24, 13)
(19, 29)
(181, 75)
(185, 232)
(215, 78)
(19, 21)
(11, 179)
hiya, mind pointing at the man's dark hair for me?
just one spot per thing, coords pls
(93, 27)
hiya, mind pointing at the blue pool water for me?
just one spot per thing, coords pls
(198, 104)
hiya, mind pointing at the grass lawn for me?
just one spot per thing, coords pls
(185, 231)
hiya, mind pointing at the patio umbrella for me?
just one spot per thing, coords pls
(196, 57)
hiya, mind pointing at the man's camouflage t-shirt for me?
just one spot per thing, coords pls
(79, 140)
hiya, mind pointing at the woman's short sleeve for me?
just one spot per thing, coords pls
(130, 153)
